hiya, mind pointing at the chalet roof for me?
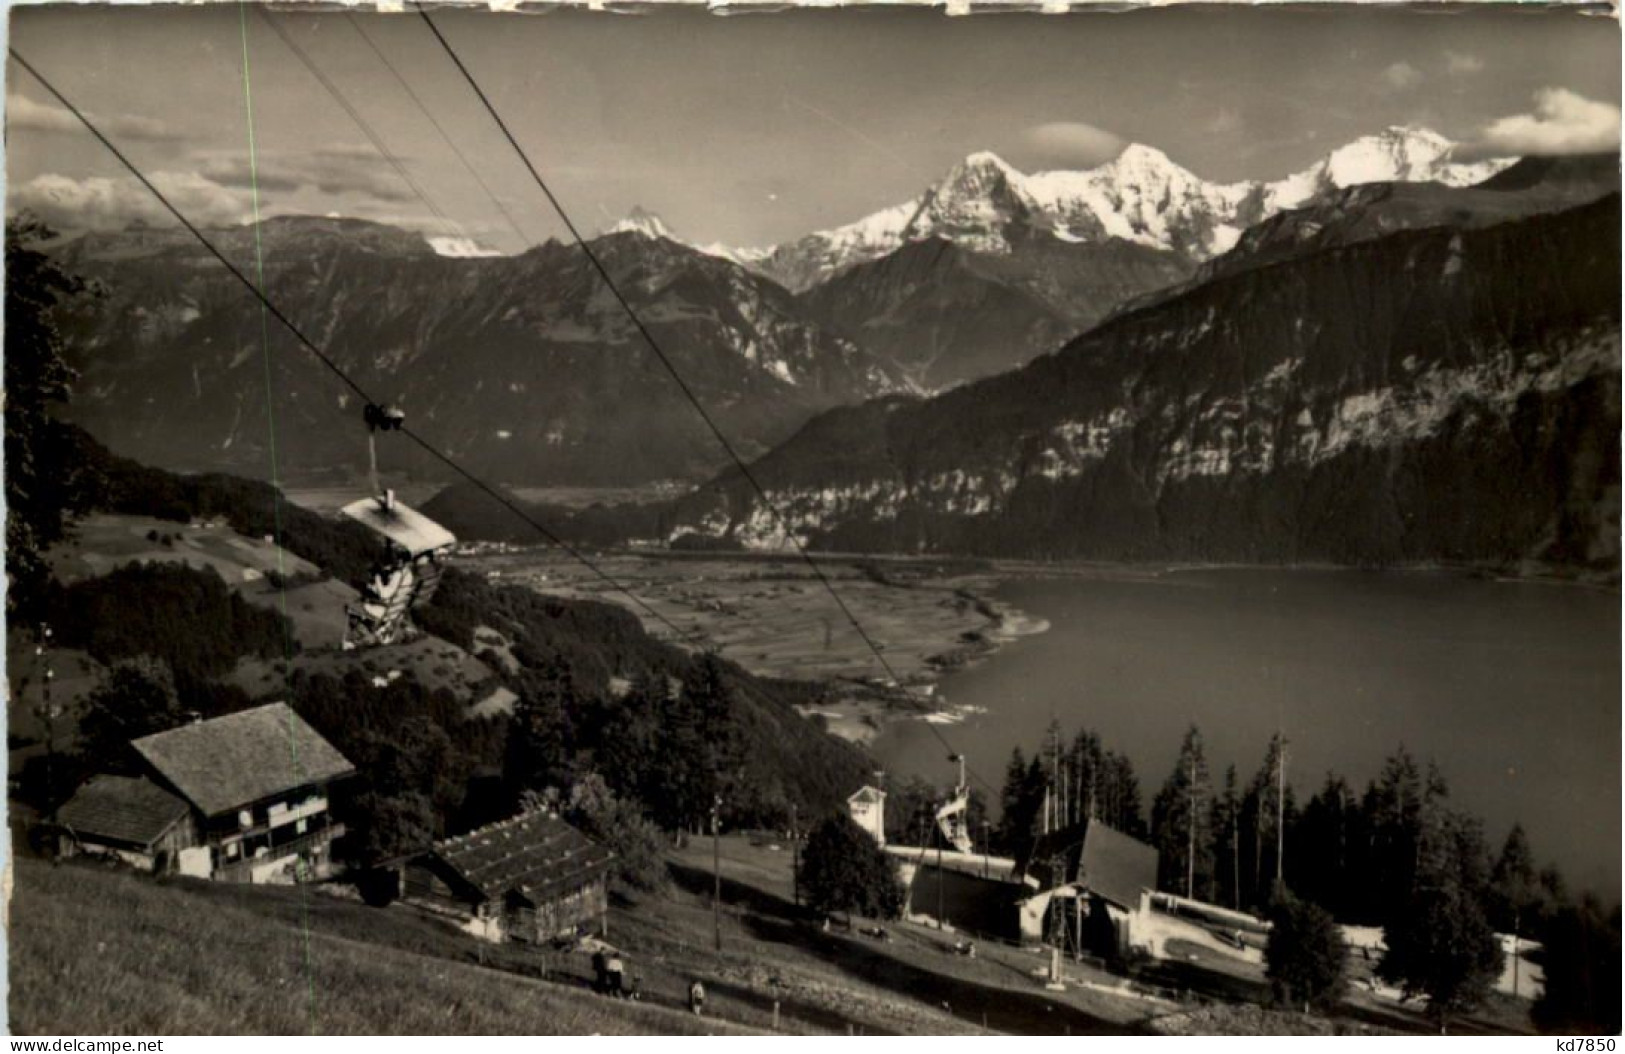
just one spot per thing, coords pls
(228, 762)
(534, 854)
(867, 795)
(130, 810)
(406, 527)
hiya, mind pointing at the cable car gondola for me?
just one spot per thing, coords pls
(416, 548)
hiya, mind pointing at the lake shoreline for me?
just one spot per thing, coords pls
(1351, 666)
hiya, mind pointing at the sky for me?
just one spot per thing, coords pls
(746, 129)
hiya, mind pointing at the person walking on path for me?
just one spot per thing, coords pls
(696, 998)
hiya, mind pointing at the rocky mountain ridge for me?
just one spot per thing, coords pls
(1440, 394)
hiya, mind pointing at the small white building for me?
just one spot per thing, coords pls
(868, 809)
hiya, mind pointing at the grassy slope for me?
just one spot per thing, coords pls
(157, 963)
(95, 949)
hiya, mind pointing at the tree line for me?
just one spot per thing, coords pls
(1398, 854)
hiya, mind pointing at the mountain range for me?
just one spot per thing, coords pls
(1141, 196)
(1392, 374)
(524, 367)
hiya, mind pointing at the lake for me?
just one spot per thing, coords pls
(1512, 687)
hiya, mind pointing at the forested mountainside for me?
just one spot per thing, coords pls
(582, 648)
(1447, 393)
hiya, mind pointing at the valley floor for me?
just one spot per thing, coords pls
(771, 614)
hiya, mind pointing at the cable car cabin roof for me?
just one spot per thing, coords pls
(406, 527)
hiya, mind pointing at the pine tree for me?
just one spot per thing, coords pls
(1227, 840)
(43, 483)
(1270, 804)
(1439, 941)
(135, 701)
(1181, 822)
(711, 699)
(1582, 984)
(1325, 838)
(1393, 807)
(1514, 885)
(630, 741)
(541, 734)
(1086, 771)
(1015, 804)
(1122, 809)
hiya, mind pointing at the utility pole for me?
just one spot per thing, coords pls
(1280, 815)
(937, 837)
(795, 859)
(1190, 824)
(47, 712)
(716, 871)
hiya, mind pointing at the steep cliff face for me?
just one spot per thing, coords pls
(524, 366)
(1447, 393)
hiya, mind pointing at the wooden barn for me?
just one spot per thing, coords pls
(239, 798)
(129, 818)
(532, 877)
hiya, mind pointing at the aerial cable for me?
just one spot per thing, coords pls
(513, 224)
(449, 225)
(671, 368)
(326, 360)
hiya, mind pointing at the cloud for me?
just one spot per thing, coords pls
(332, 170)
(23, 112)
(1458, 64)
(1068, 144)
(102, 204)
(1401, 76)
(1563, 122)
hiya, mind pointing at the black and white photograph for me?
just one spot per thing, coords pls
(573, 519)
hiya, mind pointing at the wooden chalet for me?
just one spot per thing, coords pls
(532, 877)
(239, 798)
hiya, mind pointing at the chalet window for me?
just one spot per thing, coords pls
(231, 851)
(299, 826)
(245, 818)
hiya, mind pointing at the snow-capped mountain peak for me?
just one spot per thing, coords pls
(983, 167)
(641, 221)
(1142, 195)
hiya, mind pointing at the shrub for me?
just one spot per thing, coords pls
(1305, 956)
(843, 869)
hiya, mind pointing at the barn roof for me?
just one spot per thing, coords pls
(867, 795)
(534, 854)
(228, 762)
(130, 810)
